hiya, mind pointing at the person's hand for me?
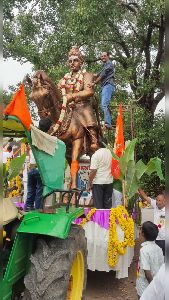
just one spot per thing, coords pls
(51, 129)
(88, 189)
(91, 85)
(140, 191)
(42, 113)
(95, 75)
(69, 98)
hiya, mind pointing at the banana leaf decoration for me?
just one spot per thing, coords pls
(132, 171)
(14, 169)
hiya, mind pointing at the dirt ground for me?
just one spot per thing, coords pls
(103, 285)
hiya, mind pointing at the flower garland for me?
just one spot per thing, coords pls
(74, 84)
(118, 215)
(15, 181)
(88, 216)
(115, 247)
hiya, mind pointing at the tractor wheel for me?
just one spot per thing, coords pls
(58, 268)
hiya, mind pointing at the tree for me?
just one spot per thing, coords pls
(150, 142)
(42, 32)
(8, 95)
(131, 172)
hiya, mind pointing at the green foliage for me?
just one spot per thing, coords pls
(140, 169)
(14, 169)
(15, 166)
(150, 133)
(42, 32)
(8, 95)
(154, 165)
(117, 185)
(131, 180)
(5, 181)
(132, 172)
(127, 156)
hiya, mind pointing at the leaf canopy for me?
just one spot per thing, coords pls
(42, 33)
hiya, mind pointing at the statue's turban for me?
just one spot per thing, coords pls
(74, 51)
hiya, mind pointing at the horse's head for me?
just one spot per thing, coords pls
(45, 95)
(39, 78)
(41, 84)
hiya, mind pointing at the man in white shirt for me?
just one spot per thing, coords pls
(156, 289)
(159, 216)
(100, 178)
(150, 259)
(7, 154)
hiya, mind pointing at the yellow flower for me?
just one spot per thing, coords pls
(126, 223)
(88, 216)
(115, 247)
(140, 204)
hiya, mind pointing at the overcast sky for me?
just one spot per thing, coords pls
(13, 72)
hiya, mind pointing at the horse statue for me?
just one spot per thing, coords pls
(79, 138)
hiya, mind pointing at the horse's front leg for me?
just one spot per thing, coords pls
(76, 150)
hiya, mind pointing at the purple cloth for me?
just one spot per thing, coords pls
(19, 205)
(101, 217)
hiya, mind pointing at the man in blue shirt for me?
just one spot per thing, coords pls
(106, 79)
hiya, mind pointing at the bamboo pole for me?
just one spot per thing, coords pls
(123, 193)
(125, 200)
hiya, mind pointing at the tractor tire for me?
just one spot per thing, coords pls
(58, 268)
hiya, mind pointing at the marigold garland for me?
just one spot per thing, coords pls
(126, 223)
(18, 183)
(88, 216)
(115, 247)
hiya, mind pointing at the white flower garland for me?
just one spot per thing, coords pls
(74, 84)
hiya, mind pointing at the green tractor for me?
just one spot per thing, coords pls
(48, 257)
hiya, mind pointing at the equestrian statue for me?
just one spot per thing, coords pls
(69, 106)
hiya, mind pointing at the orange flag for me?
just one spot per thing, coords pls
(118, 144)
(18, 107)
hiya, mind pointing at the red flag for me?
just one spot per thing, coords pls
(18, 107)
(118, 144)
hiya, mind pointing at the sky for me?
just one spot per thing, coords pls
(14, 72)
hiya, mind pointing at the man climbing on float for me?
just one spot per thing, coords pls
(106, 79)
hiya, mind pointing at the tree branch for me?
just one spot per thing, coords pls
(132, 6)
(147, 44)
(160, 44)
(134, 84)
(159, 96)
(122, 43)
(120, 58)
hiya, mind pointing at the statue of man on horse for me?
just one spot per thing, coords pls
(69, 106)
